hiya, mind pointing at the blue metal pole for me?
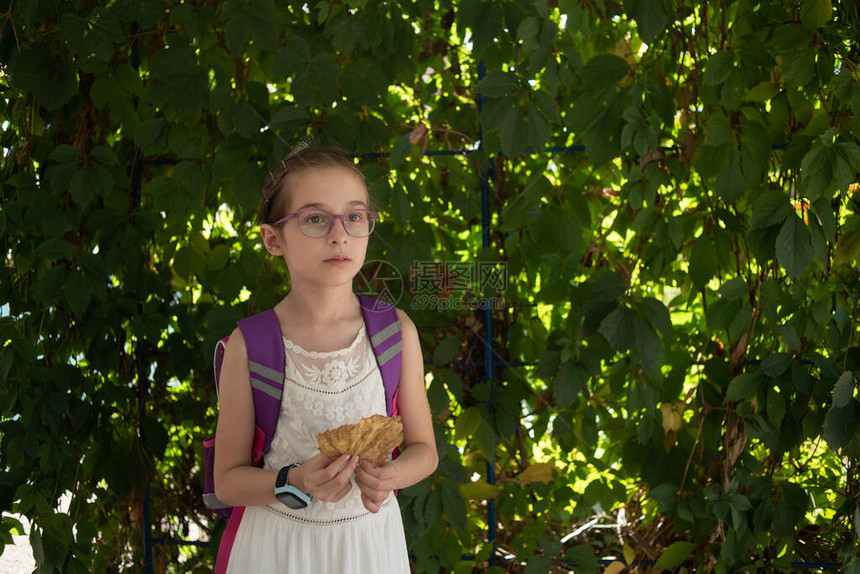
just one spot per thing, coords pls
(486, 223)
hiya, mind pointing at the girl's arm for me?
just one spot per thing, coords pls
(419, 457)
(237, 481)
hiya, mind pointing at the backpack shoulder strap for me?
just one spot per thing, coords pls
(265, 345)
(383, 328)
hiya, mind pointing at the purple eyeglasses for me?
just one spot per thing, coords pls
(315, 222)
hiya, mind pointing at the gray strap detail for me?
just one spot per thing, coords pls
(385, 333)
(211, 501)
(389, 353)
(264, 371)
(266, 388)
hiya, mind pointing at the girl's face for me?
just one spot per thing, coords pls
(331, 260)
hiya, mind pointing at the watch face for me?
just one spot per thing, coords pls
(291, 500)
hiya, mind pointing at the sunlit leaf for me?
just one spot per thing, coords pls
(793, 246)
(497, 84)
(675, 554)
(703, 261)
(743, 386)
(604, 70)
(843, 390)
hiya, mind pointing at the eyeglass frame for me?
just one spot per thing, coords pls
(371, 216)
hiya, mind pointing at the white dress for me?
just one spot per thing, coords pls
(322, 391)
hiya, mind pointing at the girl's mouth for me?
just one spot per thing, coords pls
(338, 260)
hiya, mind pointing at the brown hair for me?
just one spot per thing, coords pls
(278, 184)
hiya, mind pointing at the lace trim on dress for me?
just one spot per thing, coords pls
(337, 391)
(279, 512)
(325, 354)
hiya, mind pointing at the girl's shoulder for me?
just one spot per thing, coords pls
(407, 328)
(404, 318)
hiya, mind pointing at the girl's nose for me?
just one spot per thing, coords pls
(337, 234)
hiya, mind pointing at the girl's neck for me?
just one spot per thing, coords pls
(311, 306)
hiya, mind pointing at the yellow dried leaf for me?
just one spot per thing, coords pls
(372, 438)
(615, 568)
(538, 472)
(671, 417)
(480, 490)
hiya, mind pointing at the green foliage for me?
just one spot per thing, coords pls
(677, 352)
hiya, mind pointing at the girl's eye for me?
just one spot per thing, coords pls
(315, 218)
(355, 216)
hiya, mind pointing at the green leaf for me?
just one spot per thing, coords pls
(775, 407)
(762, 92)
(665, 495)
(453, 504)
(567, 385)
(771, 208)
(104, 155)
(448, 348)
(48, 284)
(619, 328)
(81, 188)
(657, 314)
(648, 345)
(718, 69)
(651, 19)
(539, 564)
(54, 248)
(730, 184)
(77, 291)
(148, 131)
(840, 425)
(734, 289)
(717, 129)
(710, 160)
(538, 129)
(401, 206)
(512, 133)
(703, 261)
(603, 71)
(479, 490)
(64, 153)
(815, 13)
(497, 84)
(743, 386)
(583, 558)
(843, 390)
(775, 364)
(52, 80)
(732, 91)
(793, 246)
(740, 502)
(675, 554)
(847, 249)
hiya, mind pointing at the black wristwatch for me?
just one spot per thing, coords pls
(291, 496)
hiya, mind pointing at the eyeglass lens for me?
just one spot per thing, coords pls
(318, 223)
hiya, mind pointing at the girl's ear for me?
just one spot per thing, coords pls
(272, 240)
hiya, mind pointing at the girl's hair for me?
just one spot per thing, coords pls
(277, 188)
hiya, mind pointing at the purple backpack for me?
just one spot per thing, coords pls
(266, 361)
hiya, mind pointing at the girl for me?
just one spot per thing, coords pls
(315, 215)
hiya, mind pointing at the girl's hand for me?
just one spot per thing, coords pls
(375, 482)
(323, 478)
